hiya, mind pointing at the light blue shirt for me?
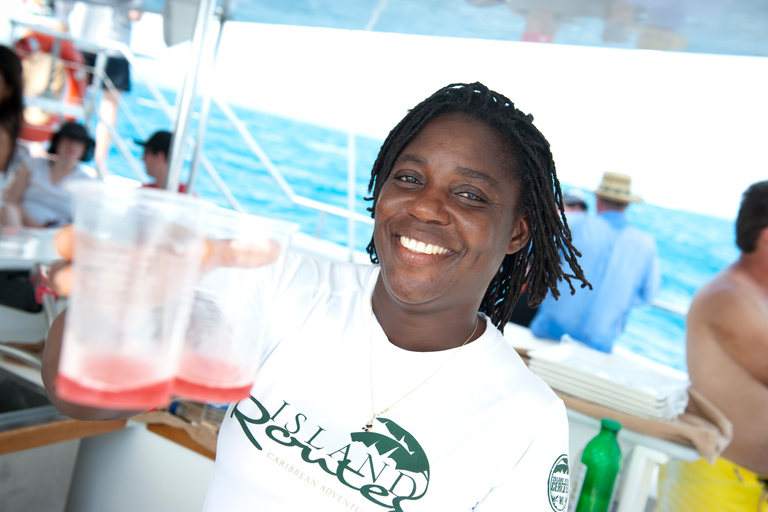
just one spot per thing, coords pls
(622, 264)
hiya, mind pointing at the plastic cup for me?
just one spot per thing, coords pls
(137, 256)
(219, 360)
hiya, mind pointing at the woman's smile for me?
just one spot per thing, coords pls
(419, 247)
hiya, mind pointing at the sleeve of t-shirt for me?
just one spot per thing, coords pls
(540, 481)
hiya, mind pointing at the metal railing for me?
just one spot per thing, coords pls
(21, 355)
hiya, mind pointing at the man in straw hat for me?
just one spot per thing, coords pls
(620, 261)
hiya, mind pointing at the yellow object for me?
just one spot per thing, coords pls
(703, 487)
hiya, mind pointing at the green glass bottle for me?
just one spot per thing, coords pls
(601, 465)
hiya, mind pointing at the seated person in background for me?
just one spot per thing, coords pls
(11, 113)
(36, 197)
(620, 261)
(574, 200)
(157, 154)
(727, 354)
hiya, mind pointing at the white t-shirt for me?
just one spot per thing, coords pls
(45, 201)
(483, 434)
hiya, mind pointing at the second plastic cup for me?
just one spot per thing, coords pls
(220, 356)
(137, 256)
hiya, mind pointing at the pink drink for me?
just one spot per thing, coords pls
(211, 380)
(137, 259)
(130, 384)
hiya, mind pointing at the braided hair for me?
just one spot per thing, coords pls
(538, 263)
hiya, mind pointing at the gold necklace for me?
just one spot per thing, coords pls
(368, 426)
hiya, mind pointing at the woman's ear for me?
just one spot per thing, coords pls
(520, 235)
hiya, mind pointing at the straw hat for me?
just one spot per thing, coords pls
(615, 187)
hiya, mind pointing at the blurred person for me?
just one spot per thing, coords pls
(36, 197)
(523, 313)
(100, 24)
(11, 113)
(156, 157)
(727, 356)
(574, 200)
(620, 261)
(16, 290)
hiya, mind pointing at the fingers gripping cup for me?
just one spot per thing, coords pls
(137, 256)
(220, 357)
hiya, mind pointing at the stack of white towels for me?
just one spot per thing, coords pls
(611, 380)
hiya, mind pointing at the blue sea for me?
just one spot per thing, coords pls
(313, 159)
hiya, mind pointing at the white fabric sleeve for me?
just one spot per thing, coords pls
(539, 482)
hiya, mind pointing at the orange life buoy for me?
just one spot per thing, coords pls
(41, 55)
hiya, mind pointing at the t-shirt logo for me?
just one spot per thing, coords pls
(558, 484)
(388, 467)
(406, 456)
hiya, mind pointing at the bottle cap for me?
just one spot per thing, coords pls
(611, 425)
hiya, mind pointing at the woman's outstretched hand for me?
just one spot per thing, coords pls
(60, 272)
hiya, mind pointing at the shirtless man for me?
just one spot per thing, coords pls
(727, 344)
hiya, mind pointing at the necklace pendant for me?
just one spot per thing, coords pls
(369, 426)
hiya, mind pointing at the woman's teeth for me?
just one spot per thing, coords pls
(422, 248)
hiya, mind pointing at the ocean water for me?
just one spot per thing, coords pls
(313, 160)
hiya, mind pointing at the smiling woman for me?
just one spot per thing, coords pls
(451, 190)
(390, 387)
(502, 182)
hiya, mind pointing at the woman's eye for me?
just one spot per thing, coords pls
(406, 178)
(471, 196)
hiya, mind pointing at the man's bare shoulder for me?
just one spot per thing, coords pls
(732, 311)
(730, 292)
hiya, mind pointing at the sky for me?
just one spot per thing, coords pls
(691, 129)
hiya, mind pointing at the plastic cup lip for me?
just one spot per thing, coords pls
(98, 188)
(213, 213)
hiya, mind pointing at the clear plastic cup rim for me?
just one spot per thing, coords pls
(98, 188)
